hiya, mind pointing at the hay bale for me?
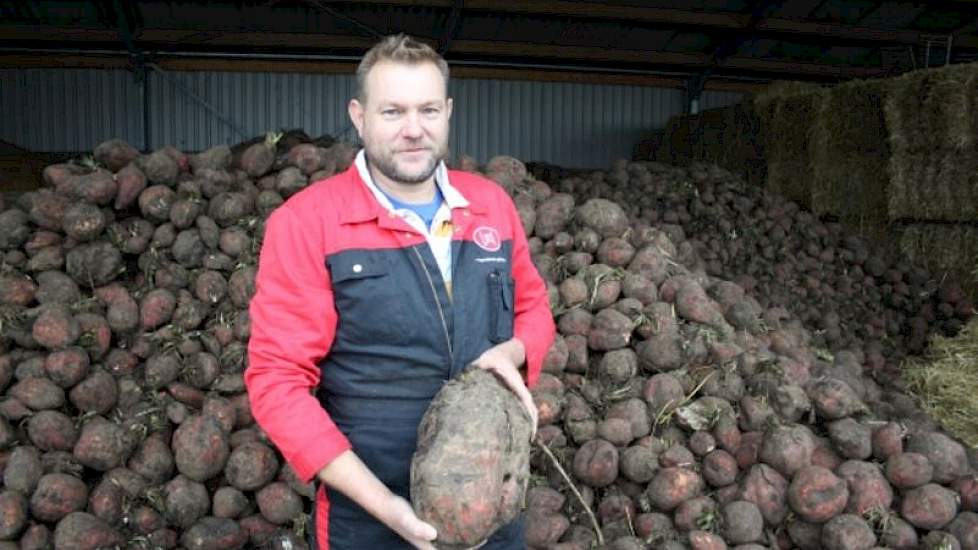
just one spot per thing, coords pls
(742, 131)
(783, 88)
(767, 104)
(791, 130)
(946, 250)
(945, 381)
(932, 118)
(791, 179)
(679, 141)
(939, 185)
(849, 153)
(786, 129)
(765, 110)
(850, 117)
(934, 109)
(849, 188)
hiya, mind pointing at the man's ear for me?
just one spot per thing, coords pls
(356, 111)
(448, 108)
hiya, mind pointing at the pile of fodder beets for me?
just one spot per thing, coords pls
(850, 295)
(684, 410)
(678, 407)
(124, 295)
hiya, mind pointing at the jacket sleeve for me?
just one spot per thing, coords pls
(533, 323)
(293, 321)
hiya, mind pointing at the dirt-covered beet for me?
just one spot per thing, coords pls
(102, 444)
(200, 448)
(213, 533)
(278, 503)
(251, 466)
(83, 531)
(471, 467)
(57, 495)
(13, 513)
(868, 487)
(847, 531)
(930, 506)
(185, 501)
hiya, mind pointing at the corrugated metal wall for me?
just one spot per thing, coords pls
(713, 100)
(68, 110)
(572, 125)
(251, 103)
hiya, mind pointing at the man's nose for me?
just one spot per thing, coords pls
(412, 126)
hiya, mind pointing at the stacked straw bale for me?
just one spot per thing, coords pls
(787, 114)
(948, 250)
(728, 136)
(742, 152)
(849, 154)
(896, 160)
(932, 118)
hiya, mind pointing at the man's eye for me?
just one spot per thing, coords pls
(431, 110)
(389, 112)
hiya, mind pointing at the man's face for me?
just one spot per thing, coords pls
(403, 120)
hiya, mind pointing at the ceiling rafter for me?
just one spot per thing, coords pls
(178, 63)
(671, 16)
(796, 38)
(329, 10)
(580, 9)
(483, 48)
(451, 26)
(970, 27)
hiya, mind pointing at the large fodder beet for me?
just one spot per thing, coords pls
(471, 467)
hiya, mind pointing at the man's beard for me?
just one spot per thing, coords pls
(386, 165)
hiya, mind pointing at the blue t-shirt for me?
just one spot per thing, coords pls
(425, 210)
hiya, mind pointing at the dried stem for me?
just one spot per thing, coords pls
(594, 521)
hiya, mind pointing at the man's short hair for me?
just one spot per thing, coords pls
(398, 48)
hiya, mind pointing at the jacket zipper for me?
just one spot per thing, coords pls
(441, 313)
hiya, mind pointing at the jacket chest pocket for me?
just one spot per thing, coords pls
(501, 289)
(370, 307)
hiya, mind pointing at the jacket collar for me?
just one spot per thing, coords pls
(368, 202)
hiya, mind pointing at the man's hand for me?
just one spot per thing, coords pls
(400, 518)
(504, 360)
(349, 475)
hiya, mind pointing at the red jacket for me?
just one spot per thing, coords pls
(316, 237)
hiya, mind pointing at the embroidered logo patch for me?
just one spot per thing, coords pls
(487, 238)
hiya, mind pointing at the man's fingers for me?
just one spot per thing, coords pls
(424, 531)
(511, 378)
(531, 408)
(411, 527)
(514, 381)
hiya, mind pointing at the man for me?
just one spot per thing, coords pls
(374, 288)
